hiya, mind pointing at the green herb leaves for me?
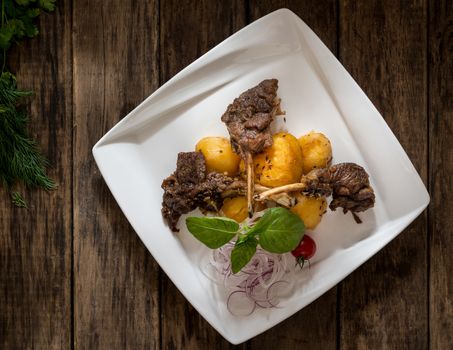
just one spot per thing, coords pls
(20, 159)
(213, 232)
(278, 231)
(243, 252)
(18, 19)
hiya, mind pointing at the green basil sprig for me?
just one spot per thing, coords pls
(213, 232)
(277, 231)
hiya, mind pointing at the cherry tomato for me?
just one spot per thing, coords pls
(305, 250)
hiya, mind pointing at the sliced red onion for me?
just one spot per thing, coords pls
(239, 305)
(260, 283)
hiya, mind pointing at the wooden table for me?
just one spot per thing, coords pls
(73, 274)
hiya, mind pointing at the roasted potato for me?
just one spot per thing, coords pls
(219, 155)
(235, 208)
(316, 151)
(280, 164)
(310, 210)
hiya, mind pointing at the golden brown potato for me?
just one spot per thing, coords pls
(280, 164)
(316, 151)
(235, 208)
(310, 210)
(219, 155)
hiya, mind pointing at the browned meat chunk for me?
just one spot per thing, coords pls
(249, 116)
(190, 167)
(180, 187)
(189, 187)
(347, 182)
(177, 200)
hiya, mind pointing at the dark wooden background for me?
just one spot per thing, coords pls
(73, 274)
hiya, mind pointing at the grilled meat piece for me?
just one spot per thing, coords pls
(190, 168)
(180, 187)
(210, 193)
(347, 182)
(189, 187)
(248, 120)
(249, 116)
(177, 200)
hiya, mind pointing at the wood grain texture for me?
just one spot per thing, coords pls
(188, 31)
(96, 60)
(115, 47)
(320, 16)
(440, 173)
(35, 243)
(315, 326)
(383, 45)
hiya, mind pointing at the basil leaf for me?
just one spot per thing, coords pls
(243, 252)
(279, 230)
(213, 232)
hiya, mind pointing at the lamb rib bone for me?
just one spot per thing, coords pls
(348, 183)
(248, 121)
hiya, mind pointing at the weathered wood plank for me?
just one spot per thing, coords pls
(320, 16)
(383, 46)
(315, 326)
(188, 31)
(35, 243)
(116, 280)
(440, 173)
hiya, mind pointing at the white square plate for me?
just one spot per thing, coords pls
(317, 94)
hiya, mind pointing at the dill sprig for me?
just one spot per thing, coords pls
(18, 200)
(20, 159)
